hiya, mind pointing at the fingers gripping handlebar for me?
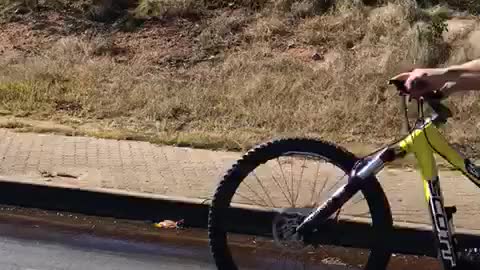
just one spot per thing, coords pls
(433, 99)
(400, 85)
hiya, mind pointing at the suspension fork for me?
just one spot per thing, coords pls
(442, 224)
(423, 147)
(358, 177)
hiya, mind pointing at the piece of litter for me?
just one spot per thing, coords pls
(169, 224)
(47, 174)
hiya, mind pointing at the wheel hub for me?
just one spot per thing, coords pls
(284, 229)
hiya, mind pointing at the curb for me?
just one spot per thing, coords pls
(102, 203)
(408, 238)
(120, 204)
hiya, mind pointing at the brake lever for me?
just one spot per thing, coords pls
(400, 85)
(401, 88)
(433, 100)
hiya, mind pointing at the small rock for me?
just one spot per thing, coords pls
(316, 57)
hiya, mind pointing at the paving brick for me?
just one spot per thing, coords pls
(166, 170)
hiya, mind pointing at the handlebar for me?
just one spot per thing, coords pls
(433, 99)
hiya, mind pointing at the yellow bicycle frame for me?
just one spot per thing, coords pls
(423, 142)
(426, 139)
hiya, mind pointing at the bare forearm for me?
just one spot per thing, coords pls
(464, 77)
(467, 81)
(471, 66)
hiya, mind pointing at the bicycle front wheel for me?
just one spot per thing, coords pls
(297, 175)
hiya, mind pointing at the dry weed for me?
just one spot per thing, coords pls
(224, 30)
(267, 28)
(304, 8)
(257, 89)
(174, 8)
(343, 29)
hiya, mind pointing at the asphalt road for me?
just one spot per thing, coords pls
(38, 240)
(30, 248)
(33, 246)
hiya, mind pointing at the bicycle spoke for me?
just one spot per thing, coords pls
(254, 192)
(336, 183)
(314, 188)
(322, 180)
(248, 199)
(281, 190)
(264, 189)
(283, 251)
(300, 180)
(291, 183)
(323, 187)
(284, 178)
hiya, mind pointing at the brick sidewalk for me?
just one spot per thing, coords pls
(165, 170)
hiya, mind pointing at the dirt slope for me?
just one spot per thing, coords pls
(227, 75)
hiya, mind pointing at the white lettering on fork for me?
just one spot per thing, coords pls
(441, 225)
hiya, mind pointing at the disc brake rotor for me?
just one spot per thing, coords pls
(284, 229)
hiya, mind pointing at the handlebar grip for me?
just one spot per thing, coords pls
(433, 99)
(400, 85)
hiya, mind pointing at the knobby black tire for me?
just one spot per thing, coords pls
(373, 193)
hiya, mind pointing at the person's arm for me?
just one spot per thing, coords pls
(455, 78)
(464, 77)
(471, 66)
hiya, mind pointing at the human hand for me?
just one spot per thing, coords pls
(422, 81)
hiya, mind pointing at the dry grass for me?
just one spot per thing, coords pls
(160, 8)
(268, 28)
(13, 125)
(261, 86)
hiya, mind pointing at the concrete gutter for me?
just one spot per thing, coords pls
(408, 238)
(102, 202)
